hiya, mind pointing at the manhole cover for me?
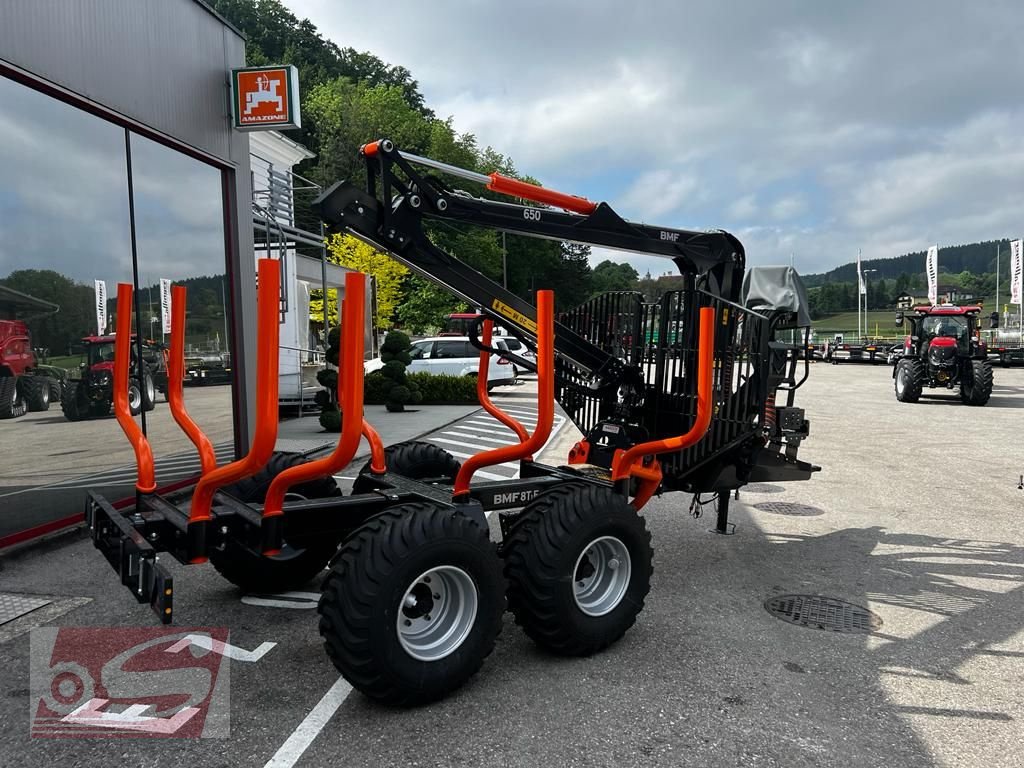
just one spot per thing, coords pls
(823, 613)
(15, 606)
(762, 488)
(786, 508)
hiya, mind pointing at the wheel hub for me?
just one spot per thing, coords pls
(601, 576)
(437, 612)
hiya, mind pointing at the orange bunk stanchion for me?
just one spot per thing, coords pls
(146, 482)
(629, 463)
(175, 377)
(481, 389)
(545, 402)
(377, 463)
(350, 396)
(265, 433)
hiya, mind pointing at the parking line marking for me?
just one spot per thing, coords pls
(455, 442)
(519, 412)
(478, 437)
(486, 430)
(492, 422)
(308, 729)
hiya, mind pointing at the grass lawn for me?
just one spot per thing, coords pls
(880, 323)
(846, 323)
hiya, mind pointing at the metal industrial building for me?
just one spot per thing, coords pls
(120, 164)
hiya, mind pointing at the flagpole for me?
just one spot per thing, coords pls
(857, 289)
(997, 276)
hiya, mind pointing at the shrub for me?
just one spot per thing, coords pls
(330, 419)
(397, 390)
(443, 389)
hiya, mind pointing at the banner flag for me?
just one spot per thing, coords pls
(165, 305)
(101, 307)
(931, 268)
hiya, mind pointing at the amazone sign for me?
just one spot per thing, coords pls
(265, 98)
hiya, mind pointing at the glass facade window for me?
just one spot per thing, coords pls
(65, 244)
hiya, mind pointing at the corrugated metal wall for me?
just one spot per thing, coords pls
(164, 63)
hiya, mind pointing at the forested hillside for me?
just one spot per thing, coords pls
(351, 97)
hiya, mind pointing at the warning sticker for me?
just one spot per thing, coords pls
(515, 316)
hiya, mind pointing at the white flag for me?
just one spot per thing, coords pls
(1015, 271)
(165, 305)
(101, 307)
(931, 268)
(863, 286)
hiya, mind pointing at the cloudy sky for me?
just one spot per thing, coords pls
(806, 128)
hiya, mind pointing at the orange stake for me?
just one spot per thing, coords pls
(175, 376)
(350, 395)
(265, 433)
(146, 482)
(622, 466)
(481, 389)
(377, 465)
(545, 401)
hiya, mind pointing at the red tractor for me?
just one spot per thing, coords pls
(943, 352)
(24, 384)
(91, 395)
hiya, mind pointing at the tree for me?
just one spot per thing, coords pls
(425, 305)
(387, 273)
(614, 276)
(574, 276)
(75, 318)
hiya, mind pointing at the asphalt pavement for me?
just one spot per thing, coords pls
(915, 517)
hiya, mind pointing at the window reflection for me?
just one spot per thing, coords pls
(64, 229)
(63, 225)
(179, 220)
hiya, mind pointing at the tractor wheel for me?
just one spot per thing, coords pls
(976, 384)
(74, 409)
(148, 393)
(293, 567)
(37, 392)
(909, 380)
(12, 399)
(578, 562)
(414, 460)
(134, 398)
(56, 390)
(413, 604)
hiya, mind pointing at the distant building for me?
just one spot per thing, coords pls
(905, 301)
(950, 294)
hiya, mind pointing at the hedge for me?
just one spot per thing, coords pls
(436, 390)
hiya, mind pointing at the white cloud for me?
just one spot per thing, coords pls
(743, 208)
(657, 193)
(788, 207)
(895, 119)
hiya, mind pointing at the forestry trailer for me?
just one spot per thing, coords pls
(413, 598)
